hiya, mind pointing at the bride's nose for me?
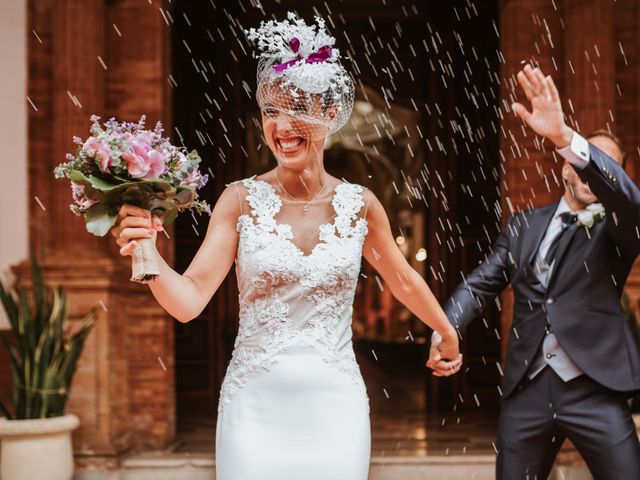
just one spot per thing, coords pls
(284, 123)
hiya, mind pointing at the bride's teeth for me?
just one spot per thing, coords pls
(290, 145)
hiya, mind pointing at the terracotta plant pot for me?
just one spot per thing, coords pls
(37, 449)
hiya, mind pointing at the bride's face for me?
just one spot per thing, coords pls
(295, 128)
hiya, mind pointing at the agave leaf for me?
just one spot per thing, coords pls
(24, 323)
(12, 353)
(39, 296)
(10, 307)
(18, 391)
(5, 411)
(27, 386)
(42, 369)
(46, 344)
(50, 395)
(59, 324)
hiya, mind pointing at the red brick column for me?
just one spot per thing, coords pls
(123, 391)
(530, 31)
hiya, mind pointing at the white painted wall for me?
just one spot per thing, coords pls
(13, 138)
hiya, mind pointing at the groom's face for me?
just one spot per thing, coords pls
(577, 187)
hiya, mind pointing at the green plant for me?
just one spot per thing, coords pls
(43, 355)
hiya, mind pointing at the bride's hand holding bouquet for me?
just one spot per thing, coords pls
(123, 173)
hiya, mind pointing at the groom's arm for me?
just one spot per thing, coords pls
(613, 187)
(483, 284)
(606, 179)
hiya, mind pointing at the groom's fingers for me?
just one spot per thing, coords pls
(553, 91)
(525, 84)
(541, 79)
(533, 78)
(522, 112)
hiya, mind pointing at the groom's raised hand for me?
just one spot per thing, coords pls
(441, 367)
(546, 117)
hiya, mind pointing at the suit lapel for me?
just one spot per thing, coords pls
(562, 249)
(538, 225)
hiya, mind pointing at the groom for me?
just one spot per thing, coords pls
(572, 359)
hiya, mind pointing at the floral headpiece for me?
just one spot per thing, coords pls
(304, 62)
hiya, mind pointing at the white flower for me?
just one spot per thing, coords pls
(594, 213)
(585, 218)
(596, 208)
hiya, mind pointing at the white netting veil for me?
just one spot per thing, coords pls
(301, 82)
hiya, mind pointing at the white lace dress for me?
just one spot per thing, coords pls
(293, 405)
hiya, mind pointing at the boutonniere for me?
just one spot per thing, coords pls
(591, 215)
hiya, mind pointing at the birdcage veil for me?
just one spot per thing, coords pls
(300, 79)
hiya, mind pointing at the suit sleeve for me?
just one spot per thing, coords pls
(619, 196)
(483, 284)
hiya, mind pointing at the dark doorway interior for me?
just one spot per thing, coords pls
(435, 60)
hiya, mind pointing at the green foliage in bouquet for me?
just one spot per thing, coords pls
(43, 356)
(160, 197)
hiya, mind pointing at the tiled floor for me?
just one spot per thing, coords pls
(401, 435)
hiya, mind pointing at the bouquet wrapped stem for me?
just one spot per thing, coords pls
(123, 163)
(145, 264)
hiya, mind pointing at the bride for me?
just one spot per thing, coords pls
(293, 403)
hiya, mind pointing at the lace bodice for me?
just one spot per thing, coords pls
(288, 298)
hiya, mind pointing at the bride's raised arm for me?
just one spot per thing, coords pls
(407, 285)
(185, 296)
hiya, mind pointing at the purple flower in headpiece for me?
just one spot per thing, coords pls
(294, 43)
(320, 55)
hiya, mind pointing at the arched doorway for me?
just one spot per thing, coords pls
(424, 138)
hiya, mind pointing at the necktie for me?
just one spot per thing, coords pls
(568, 220)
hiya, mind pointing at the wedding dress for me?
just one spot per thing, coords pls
(293, 405)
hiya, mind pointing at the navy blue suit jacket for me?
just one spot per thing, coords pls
(582, 299)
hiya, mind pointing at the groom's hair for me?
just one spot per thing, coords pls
(614, 139)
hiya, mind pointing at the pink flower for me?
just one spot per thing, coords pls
(137, 159)
(143, 161)
(95, 148)
(157, 165)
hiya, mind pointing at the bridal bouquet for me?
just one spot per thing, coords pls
(122, 163)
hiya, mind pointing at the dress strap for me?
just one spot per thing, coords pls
(347, 202)
(263, 200)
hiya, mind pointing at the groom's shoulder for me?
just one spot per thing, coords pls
(522, 218)
(536, 211)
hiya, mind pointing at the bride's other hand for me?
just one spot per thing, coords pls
(134, 224)
(445, 358)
